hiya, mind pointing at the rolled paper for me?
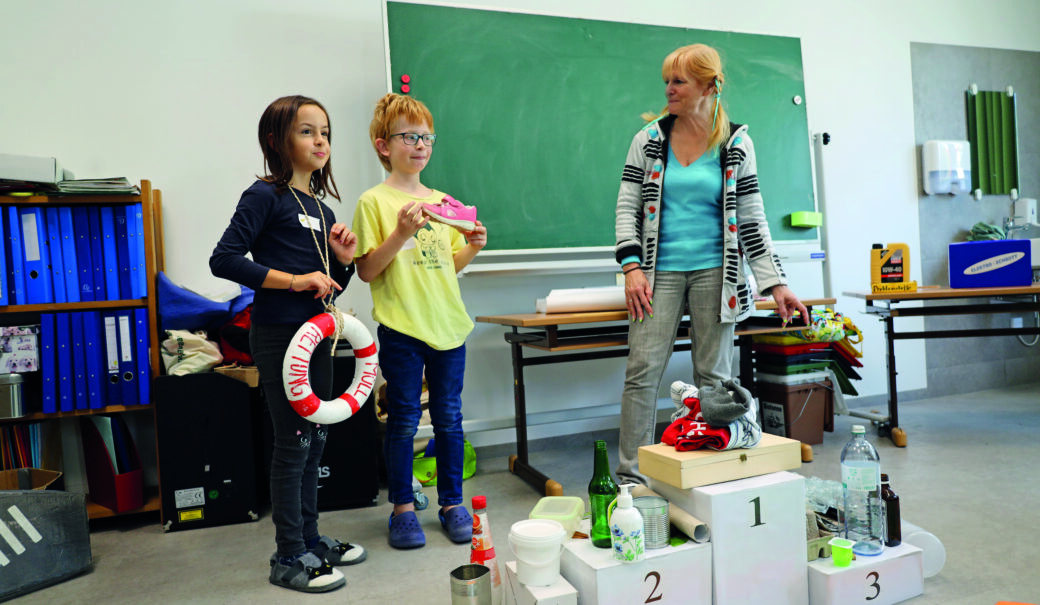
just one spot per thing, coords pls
(693, 527)
(572, 300)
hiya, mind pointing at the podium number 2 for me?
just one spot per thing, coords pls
(758, 512)
(877, 587)
(657, 584)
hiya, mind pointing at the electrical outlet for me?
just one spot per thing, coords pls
(1016, 322)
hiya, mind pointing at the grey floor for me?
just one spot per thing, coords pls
(969, 475)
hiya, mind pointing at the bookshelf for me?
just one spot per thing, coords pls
(15, 314)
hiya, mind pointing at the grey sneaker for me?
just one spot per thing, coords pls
(307, 574)
(334, 552)
(680, 392)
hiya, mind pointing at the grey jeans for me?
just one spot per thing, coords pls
(650, 345)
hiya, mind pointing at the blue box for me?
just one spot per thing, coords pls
(990, 264)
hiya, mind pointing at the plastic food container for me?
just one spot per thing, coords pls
(568, 510)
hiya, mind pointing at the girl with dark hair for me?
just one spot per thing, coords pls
(301, 260)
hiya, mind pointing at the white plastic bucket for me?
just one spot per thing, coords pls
(537, 544)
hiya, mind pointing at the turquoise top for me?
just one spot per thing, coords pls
(691, 214)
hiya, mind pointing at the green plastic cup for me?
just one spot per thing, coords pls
(841, 551)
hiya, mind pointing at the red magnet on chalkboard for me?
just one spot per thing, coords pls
(405, 78)
(405, 88)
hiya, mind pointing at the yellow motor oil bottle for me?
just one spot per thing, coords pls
(889, 263)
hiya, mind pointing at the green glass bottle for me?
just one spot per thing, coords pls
(602, 491)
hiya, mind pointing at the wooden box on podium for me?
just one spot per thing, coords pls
(705, 467)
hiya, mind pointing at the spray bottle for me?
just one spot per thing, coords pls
(626, 528)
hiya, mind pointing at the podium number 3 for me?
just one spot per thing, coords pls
(877, 587)
(758, 512)
(657, 584)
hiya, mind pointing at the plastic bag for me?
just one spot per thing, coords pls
(826, 325)
(185, 352)
(424, 465)
(184, 309)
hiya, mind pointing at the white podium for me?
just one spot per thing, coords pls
(558, 593)
(671, 575)
(757, 536)
(891, 577)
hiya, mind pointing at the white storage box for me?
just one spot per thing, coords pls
(671, 575)
(891, 577)
(757, 536)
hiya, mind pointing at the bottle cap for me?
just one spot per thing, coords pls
(479, 502)
(857, 429)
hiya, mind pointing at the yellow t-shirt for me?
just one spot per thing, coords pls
(418, 292)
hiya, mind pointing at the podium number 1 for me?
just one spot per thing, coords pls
(758, 512)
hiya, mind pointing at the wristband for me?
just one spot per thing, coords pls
(291, 282)
(627, 271)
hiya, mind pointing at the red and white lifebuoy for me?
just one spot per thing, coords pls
(297, 363)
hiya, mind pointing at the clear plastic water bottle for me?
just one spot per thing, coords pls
(861, 492)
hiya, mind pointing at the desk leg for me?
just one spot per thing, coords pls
(519, 464)
(890, 428)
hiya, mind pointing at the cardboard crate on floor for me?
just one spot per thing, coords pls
(757, 536)
(44, 534)
(891, 577)
(674, 574)
(797, 411)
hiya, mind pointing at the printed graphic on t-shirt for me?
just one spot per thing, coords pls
(431, 249)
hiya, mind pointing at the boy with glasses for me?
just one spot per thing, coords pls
(412, 263)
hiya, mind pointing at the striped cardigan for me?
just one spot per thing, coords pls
(745, 233)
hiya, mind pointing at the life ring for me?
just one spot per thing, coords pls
(296, 367)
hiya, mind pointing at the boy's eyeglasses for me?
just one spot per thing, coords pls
(412, 138)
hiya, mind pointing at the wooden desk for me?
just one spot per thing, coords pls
(604, 336)
(1013, 300)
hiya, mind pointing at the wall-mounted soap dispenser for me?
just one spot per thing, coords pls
(946, 167)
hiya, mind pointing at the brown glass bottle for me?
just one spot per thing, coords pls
(894, 534)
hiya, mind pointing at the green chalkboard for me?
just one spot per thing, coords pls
(534, 114)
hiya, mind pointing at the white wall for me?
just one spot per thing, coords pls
(172, 91)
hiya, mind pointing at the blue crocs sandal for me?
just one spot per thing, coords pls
(405, 531)
(458, 523)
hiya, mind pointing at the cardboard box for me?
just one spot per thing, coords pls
(29, 478)
(705, 467)
(46, 534)
(247, 374)
(797, 411)
(891, 577)
(559, 593)
(757, 537)
(674, 574)
(990, 264)
(31, 168)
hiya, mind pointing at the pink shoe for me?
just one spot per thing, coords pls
(452, 212)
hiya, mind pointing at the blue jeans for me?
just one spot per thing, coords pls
(298, 443)
(650, 344)
(402, 359)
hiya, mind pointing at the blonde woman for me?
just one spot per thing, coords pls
(689, 217)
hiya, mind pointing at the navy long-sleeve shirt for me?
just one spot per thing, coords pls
(273, 228)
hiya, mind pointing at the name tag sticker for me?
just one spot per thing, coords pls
(310, 221)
